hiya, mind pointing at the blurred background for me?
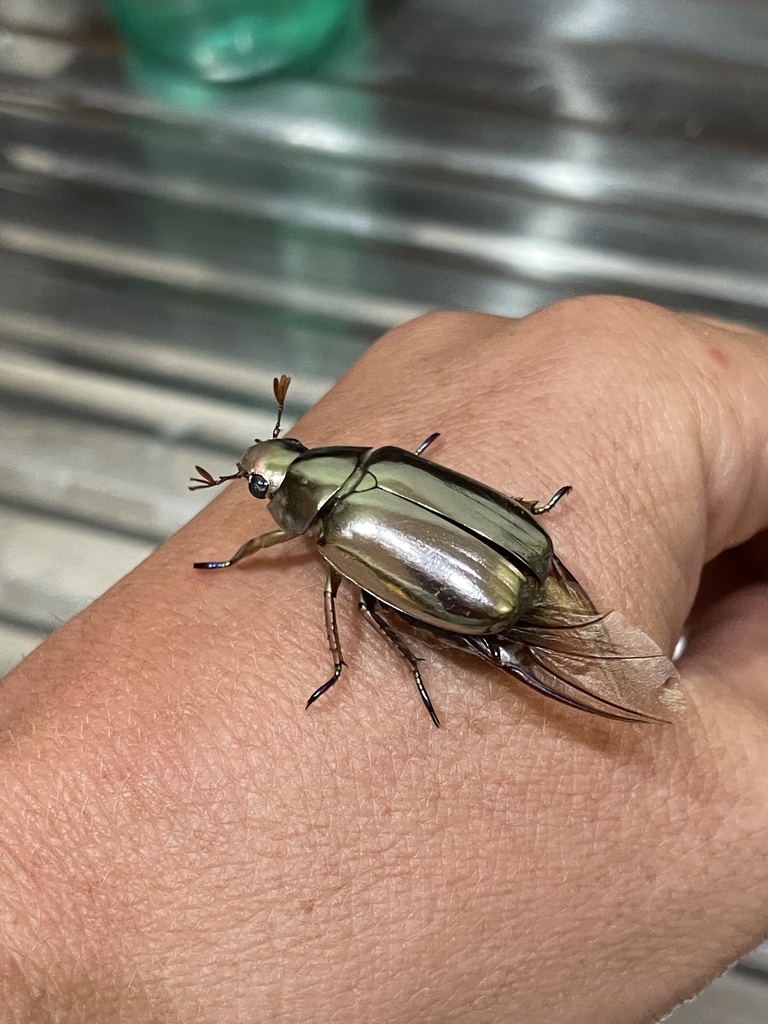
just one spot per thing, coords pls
(167, 246)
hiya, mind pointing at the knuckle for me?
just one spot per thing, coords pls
(437, 329)
(607, 310)
(596, 330)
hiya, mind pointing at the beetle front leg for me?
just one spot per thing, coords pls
(266, 540)
(332, 581)
(368, 607)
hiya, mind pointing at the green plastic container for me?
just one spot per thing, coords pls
(229, 40)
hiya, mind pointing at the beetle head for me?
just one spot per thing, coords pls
(265, 464)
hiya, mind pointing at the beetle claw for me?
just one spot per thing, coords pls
(321, 690)
(538, 510)
(430, 709)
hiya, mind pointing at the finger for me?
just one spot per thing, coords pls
(727, 629)
(731, 571)
(728, 649)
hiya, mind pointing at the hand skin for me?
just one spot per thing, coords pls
(181, 841)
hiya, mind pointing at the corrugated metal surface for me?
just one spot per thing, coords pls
(165, 250)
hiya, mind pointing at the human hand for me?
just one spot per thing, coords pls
(179, 839)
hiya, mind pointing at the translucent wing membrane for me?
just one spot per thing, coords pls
(600, 662)
(564, 601)
(586, 671)
(565, 650)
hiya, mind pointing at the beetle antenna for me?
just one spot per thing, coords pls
(206, 480)
(280, 387)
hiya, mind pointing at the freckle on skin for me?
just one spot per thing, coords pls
(719, 357)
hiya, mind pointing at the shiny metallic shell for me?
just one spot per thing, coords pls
(311, 481)
(427, 541)
(422, 564)
(505, 524)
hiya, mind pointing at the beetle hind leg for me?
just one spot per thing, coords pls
(332, 581)
(368, 607)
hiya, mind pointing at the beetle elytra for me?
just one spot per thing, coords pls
(437, 553)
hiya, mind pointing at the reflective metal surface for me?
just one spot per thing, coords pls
(165, 250)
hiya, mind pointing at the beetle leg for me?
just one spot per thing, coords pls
(368, 608)
(332, 581)
(425, 444)
(538, 510)
(266, 540)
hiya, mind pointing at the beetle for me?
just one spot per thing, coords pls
(438, 554)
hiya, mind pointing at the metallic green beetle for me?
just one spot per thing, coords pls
(441, 555)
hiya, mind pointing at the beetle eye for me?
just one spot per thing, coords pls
(258, 485)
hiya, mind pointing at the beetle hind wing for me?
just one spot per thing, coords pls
(603, 657)
(639, 681)
(605, 660)
(545, 676)
(564, 602)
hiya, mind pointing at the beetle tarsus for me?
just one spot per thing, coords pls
(368, 607)
(539, 510)
(265, 540)
(425, 444)
(326, 686)
(332, 582)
